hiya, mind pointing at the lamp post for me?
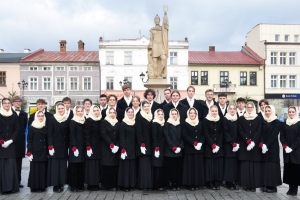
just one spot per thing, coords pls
(125, 82)
(22, 85)
(142, 76)
(226, 82)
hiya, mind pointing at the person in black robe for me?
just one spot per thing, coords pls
(20, 141)
(271, 162)
(191, 102)
(67, 102)
(150, 95)
(231, 147)
(222, 105)
(9, 182)
(262, 103)
(41, 106)
(173, 150)
(110, 155)
(250, 153)
(209, 101)
(93, 149)
(213, 149)
(127, 166)
(167, 94)
(193, 161)
(112, 103)
(126, 100)
(143, 148)
(136, 101)
(241, 103)
(77, 150)
(157, 158)
(58, 144)
(37, 153)
(290, 140)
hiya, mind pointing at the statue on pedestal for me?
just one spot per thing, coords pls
(158, 48)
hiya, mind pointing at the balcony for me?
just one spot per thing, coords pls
(221, 88)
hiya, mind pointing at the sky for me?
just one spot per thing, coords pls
(36, 24)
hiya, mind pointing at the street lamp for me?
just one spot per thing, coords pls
(142, 76)
(22, 85)
(226, 83)
(125, 82)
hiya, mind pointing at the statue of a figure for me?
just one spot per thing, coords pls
(158, 48)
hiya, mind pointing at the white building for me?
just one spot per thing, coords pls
(279, 45)
(126, 59)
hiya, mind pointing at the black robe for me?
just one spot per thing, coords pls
(154, 107)
(213, 134)
(172, 139)
(205, 110)
(122, 104)
(37, 144)
(220, 110)
(47, 115)
(20, 140)
(127, 140)
(93, 137)
(197, 105)
(182, 109)
(76, 139)
(158, 141)
(120, 114)
(143, 134)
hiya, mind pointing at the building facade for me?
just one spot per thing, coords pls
(237, 73)
(10, 73)
(126, 59)
(279, 45)
(52, 75)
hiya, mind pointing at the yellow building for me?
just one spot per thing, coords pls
(237, 73)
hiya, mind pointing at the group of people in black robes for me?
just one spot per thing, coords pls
(129, 143)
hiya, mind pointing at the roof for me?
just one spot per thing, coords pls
(243, 57)
(11, 57)
(56, 56)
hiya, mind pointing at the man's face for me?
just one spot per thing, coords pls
(103, 101)
(67, 104)
(87, 105)
(41, 106)
(209, 96)
(150, 96)
(167, 94)
(127, 92)
(190, 93)
(17, 104)
(175, 97)
(262, 106)
(222, 100)
(241, 105)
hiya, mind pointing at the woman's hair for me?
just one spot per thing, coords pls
(144, 102)
(128, 108)
(77, 107)
(194, 109)
(136, 97)
(60, 104)
(6, 99)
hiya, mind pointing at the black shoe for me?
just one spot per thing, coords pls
(172, 188)
(125, 189)
(191, 188)
(56, 189)
(21, 186)
(247, 189)
(271, 189)
(295, 190)
(252, 189)
(37, 190)
(210, 186)
(217, 185)
(289, 192)
(160, 189)
(93, 187)
(113, 189)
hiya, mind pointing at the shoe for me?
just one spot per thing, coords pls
(295, 190)
(57, 189)
(21, 186)
(42, 189)
(191, 188)
(210, 186)
(159, 189)
(126, 189)
(253, 189)
(172, 189)
(113, 189)
(93, 187)
(216, 184)
(247, 189)
(271, 189)
(289, 192)
(74, 189)
(37, 190)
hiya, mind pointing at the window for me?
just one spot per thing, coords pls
(33, 83)
(277, 37)
(243, 78)
(2, 78)
(194, 78)
(33, 68)
(60, 83)
(273, 58)
(273, 81)
(204, 78)
(283, 81)
(296, 38)
(253, 78)
(87, 68)
(129, 79)
(87, 83)
(109, 57)
(223, 78)
(292, 58)
(46, 68)
(73, 83)
(286, 38)
(60, 69)
(128, 58)
(292, 81)
(282, 58)
(73, 68)
(47, 83)
(109, 83)
(173, 58)
(173, 81)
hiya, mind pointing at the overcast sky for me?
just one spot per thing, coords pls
(36, 24)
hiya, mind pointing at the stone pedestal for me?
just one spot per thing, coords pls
(158, 85)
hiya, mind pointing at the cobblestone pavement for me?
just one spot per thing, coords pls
(145, 195)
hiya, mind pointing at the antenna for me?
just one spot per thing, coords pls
(140, 33)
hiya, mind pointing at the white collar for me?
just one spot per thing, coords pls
(223, 107)
(15, 109)
(86, 115)
(128, 100)
(209, 104)
(115, 107)
(102, 108)
(175, 104)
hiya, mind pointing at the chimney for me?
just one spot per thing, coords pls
(80, 45)
(63, 46)
(211, 48)
(27, 50)
(186, 39)
(101, 39)
(1, 50)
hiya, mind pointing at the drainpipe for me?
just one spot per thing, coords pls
(265, 68)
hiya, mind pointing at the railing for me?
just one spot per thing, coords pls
(222, 88)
